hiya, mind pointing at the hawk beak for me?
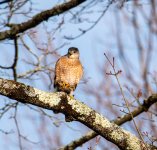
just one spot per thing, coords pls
(70, 53)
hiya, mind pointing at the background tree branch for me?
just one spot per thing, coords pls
(37, 19)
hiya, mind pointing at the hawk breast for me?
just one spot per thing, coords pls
(68, 71)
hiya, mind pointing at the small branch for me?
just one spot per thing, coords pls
(15, 59)
(122, 93)
(13, 66)
(17, 127)
(83, 31)
(5, 1)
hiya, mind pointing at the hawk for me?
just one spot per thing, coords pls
(68, 71)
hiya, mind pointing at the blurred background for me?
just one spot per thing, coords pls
(125, 31)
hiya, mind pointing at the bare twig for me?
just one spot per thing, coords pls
(125, 100)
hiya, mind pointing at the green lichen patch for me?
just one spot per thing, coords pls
(100, 120)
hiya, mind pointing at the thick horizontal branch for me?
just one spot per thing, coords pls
(61, 102)
(119, 121)
(37, 19)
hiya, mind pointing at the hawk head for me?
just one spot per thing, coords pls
(73, 53)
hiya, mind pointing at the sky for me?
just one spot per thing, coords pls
(92, 45)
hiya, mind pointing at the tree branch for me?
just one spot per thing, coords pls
(37, 19)
(119, 121)
(62, 103)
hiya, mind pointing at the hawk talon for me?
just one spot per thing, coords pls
(71, 96)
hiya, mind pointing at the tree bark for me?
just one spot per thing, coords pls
(119, 121)
(62, 103)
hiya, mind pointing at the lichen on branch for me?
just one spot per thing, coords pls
(62, 103)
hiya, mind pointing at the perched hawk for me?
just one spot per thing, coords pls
(68, 71)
